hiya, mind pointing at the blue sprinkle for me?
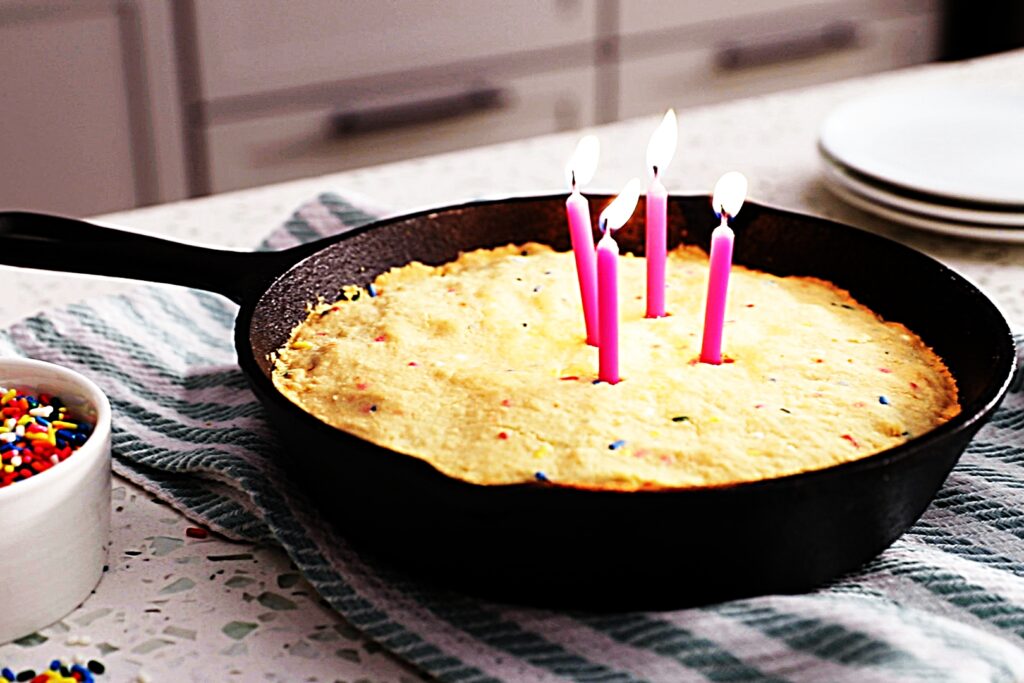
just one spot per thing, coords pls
(616, 445)
(371, 290)
(55, 665)
(6, 447)
(883, 400)
(596, 381)
(43, 421)
(541, 476)
(7, 673)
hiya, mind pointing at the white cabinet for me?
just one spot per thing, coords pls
(65, 141)
(109, 104)
(294, 89)
(79, 132)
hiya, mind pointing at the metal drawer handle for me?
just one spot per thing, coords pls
(425, 108)
(833, 37)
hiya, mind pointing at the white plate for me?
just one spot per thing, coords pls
(1007, 220)
(994, 234)
(960, 143)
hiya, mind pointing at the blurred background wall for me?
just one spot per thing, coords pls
(109, 104)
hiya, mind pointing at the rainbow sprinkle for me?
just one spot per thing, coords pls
(58, 672)
(36, 433)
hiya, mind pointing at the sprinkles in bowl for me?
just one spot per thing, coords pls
(36, 433)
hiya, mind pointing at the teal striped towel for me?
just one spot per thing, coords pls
(944, 603)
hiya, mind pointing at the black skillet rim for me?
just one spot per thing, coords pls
(980, 409)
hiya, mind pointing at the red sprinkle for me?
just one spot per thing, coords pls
(196, 532)
(726, 359)
(885, 370)
(851, 440)
(506, 403)
(759, 405)
(361, 386)
(913, 385)
(568, 378)
(413, 364)
(381, 338)
(502, 435)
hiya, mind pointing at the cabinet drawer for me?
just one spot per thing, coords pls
(254, 46)
(726, 16)
(271, 149)
(650, 85)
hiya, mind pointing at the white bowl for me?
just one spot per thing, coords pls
(54, 526)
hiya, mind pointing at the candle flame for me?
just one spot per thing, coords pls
(662, 146)
(730, 191)
(583, 162)
(621, 208)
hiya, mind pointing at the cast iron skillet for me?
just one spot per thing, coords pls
(552, 545)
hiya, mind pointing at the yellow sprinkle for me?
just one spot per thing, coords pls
(655, 433)
(4, 430)
(713, 419)
(51, 436)
(25, 419)
(36, 436)
(542, 451)
(301, 345)
(61, 424)
(8, 468)
(8, 396)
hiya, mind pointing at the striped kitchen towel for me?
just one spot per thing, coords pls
(944, 603)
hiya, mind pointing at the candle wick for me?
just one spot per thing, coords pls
(655, 171)
(573, 172)
(604, 225)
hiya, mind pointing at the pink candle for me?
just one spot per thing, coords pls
(718, 289)
(730, 191)
(612, 218)
(578, 172)
(608, 286)
(657, 210)
(660, 151)
(582, 237)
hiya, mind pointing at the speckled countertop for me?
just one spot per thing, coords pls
(180, 608)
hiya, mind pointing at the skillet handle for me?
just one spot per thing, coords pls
(46, 242)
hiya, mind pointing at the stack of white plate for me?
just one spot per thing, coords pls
(948, 160)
